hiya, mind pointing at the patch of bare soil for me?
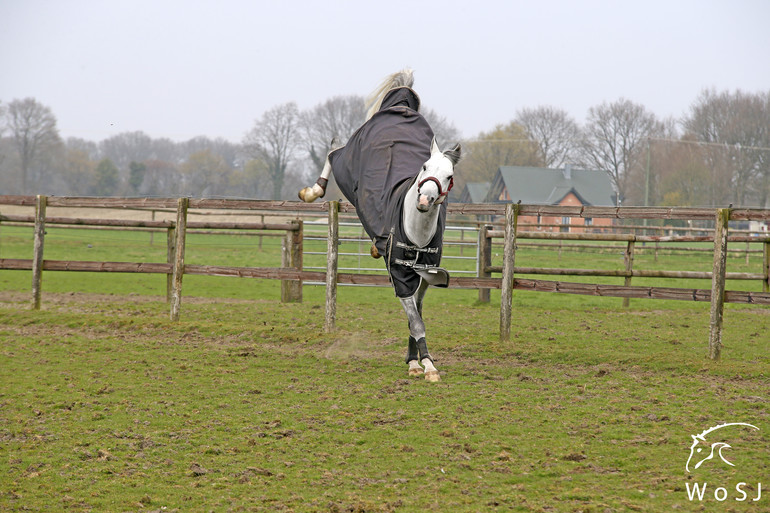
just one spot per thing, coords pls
(359, 345)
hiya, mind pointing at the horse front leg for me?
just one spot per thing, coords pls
(418, 348)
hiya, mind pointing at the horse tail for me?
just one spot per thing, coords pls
(402, 78)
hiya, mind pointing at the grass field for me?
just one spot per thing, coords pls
(246, 405)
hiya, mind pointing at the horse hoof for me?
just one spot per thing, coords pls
(417, 371)
(432, 376)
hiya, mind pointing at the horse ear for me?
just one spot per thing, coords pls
(434, 147)
(454, 154)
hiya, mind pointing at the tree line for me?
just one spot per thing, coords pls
(718, 153)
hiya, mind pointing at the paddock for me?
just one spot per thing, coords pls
(293, 273)
(247, 403)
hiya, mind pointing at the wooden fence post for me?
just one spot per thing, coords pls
(484, 260)
(509, 260)
(718, 283)
(628, 260)
(176, 282)
(285, 263)
(37, 260)
(152, 234)
(331, 266)
(170, 252)
(766, 267)
(291, 257)
(261, 220)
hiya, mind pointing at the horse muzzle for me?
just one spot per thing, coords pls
(424, 202)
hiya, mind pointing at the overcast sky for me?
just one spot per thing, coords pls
(183, 68)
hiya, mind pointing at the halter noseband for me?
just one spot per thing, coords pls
(435, 180)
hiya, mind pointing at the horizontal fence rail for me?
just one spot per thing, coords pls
(472, 209)
(293, 273)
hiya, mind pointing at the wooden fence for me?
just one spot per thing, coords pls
(292, 273)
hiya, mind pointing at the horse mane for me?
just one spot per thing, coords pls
(403, 78)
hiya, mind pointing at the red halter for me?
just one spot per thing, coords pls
(435, 180)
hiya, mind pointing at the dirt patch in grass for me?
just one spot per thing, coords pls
(359, 345)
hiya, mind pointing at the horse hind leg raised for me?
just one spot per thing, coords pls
(318, 190)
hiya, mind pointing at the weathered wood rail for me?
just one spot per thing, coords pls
(293, 275)
(174, 268)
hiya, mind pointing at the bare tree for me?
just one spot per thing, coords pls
(445, 131)
(338, 117)
(615, 139)
(205, 173)
(90, 148)
(127, 147)
(555, 131)
(33, 130)
(737, 128)
(506, 145)
(275, 139)
(684, 175)
(161, 178)
(79, 171)
(225, 149)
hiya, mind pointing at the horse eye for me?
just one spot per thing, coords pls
(424, 167)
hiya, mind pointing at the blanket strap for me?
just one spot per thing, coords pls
(413, 264)
(404, 245)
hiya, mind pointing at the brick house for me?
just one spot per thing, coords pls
(565, 187)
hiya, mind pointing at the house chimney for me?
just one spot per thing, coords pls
(567, 172)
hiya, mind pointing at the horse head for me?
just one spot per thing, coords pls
(437, 176)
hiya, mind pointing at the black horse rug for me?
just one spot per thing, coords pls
(375, 169)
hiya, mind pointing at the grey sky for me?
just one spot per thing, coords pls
(182, 68)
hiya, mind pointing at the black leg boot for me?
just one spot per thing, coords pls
(413, 352)
(422, 347)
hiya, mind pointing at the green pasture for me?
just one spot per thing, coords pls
(245, 404)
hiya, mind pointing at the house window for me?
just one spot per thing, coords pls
(589, 221)
(565, 221)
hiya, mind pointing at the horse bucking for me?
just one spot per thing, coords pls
(393, 172)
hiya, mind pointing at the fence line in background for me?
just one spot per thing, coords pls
(293, 274)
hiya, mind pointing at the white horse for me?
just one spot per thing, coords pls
(394, 173)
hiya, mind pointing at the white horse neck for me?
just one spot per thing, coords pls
(419, 227)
